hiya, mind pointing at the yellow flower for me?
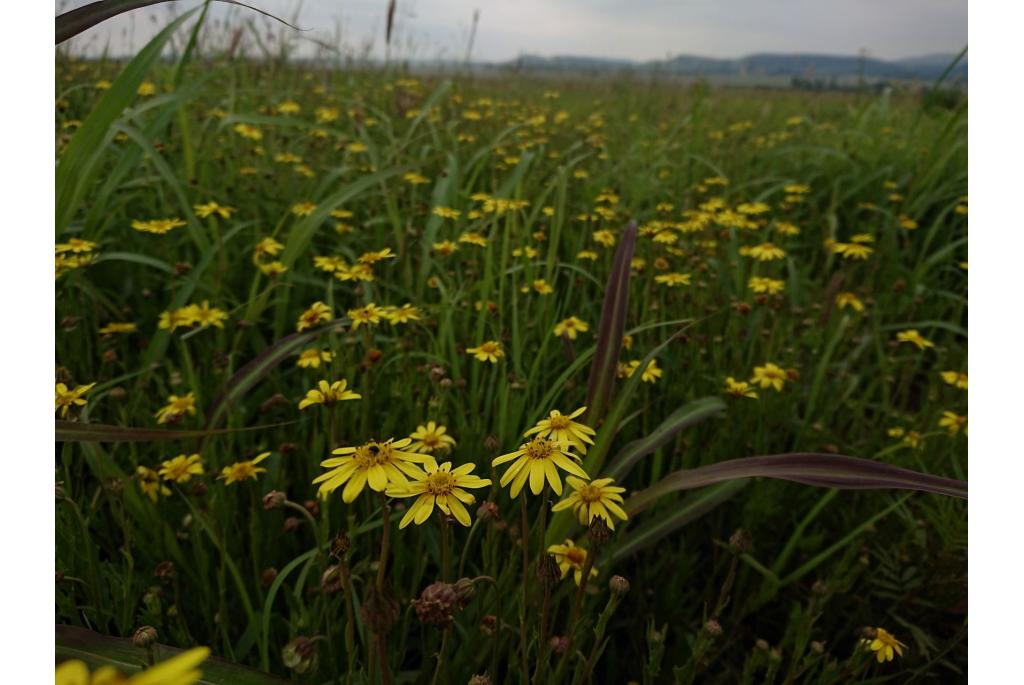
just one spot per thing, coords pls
(112, 328)
(770, 286)
(205, 315)
(912, 336)
(955, 378)
(317, 314)
(178, 670)
(149, 482)
(537, 460)
(176, 408)
(65, 399)
(211, 208)
(571, 327)
(739, 388)
(303, 208)
(652, 373)
(378, 463)
(75, 245)
(328, 393)
(157, 226)
(249, 131)
(374, 257)
(569, 556)
(488, 351)
(561, 427)
(146, 88)
(673, 279)
(605, 237)
(364, 316)
(243, 470)
(953, 422)
(447, 212)
(541, 287)
(587, 254)
(445, 247)
(848, 299)
(431, 438)
(312, 357)
(473, 238)
(288, 107)
(769, 376)
(441, 486)
(884, 645)
(852, 250)
(403, 314)
(596, 499)
(766, 252)
(415, 179)
(268, 247)
(182, 468)
(272, 269)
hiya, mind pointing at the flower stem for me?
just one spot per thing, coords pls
(445, 561)
(524, 537)
(385, 537)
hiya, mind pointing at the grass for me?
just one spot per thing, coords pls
(785, 601)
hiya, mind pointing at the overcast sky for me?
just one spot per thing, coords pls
(634, 29)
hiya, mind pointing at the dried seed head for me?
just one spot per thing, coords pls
(437, 605)
(712, 627)
(481, 679)
(492, 444)
(559, 644)
(619, 586)
(488, 511)
(820, 588)
(300, 655)
(164, 570)
(489, 625)
(267, 576)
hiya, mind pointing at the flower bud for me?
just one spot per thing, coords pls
(713, 628)
(619, 586)
(488, 511)
(559, 644)
(741, 542)
(340, 545)
(267, 576)
(164, 570)
(274, 499)
(144, 637)
(489, 625)
(599, 532)
(481, 679)
(300, 655)
(548, 571)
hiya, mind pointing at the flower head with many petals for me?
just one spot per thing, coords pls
(571, 558)
(328, 393)
(884, 645)
(442, 486)
(537, 461)
(596, 499)
(431, 438)
(378, 463)
(561, 427)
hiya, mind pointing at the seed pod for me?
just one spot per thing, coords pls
(619, 586)
(144, 637)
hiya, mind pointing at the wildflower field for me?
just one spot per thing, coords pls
(372, 377)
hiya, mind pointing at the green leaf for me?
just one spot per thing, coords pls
(99, 650)
(75, 171)
(684, 417)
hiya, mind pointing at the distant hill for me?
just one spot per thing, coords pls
(805, 66)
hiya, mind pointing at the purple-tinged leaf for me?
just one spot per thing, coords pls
(74, 431)
(256, 370)
(821, 470)
(689, 509)
(684, 417)
(604, 368)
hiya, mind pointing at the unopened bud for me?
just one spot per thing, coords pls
(712, 627)
(741, 542)
(274, 499)
(488, 511)
(548, 571)
(267, 576)
(340, 545)
(489, 625)
(481, 679)
(144, 637)
(559, 644)
(300, 655)
(599, 532)
(492, 444)
(619, 586)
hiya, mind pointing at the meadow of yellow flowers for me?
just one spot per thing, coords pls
(374, 377)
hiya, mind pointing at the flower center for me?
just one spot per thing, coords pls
(488, 347)
(576, 556)
(373, 454)
(588, 493)
(431, 439)
(440, 483)
(560, 422)
(539, 448)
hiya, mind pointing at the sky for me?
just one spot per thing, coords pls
(630, 29)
